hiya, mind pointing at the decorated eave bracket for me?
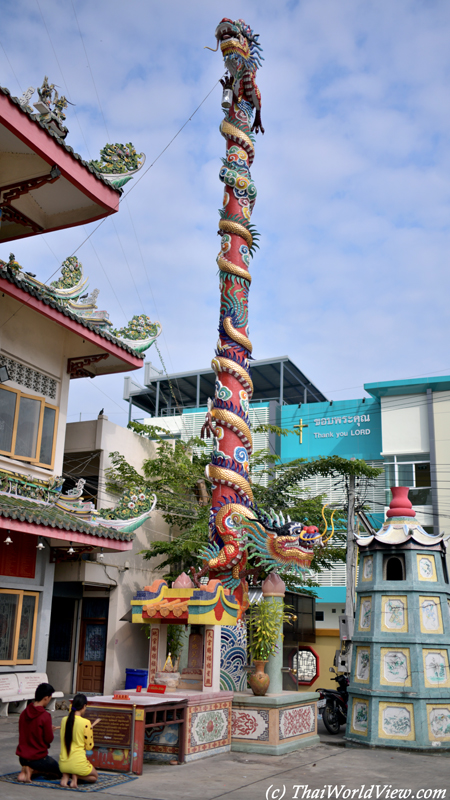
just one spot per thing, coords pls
(78, 367)
(13, 191)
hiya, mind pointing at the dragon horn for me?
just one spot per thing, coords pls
(282, 518)
(275, 517)
(332, 527)
(325, 520)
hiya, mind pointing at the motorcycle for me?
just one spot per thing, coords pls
(334, 703)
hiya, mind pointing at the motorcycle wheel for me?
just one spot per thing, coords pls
(330, 720)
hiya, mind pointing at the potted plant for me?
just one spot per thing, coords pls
(265, 625)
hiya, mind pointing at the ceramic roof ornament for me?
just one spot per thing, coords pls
(140, 333)
(118, 163)
(42, 503)
(182, 582)
(50, 107)
(69, 290)
(400, 525)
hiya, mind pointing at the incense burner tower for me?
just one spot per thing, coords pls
(400, 682)
(227, 418)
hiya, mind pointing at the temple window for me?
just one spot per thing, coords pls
(18, 616)
(412, 470)
(27, 427)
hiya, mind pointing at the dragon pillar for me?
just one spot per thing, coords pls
(227, 418)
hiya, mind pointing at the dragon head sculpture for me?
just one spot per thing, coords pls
(242, 54)
(282, 544)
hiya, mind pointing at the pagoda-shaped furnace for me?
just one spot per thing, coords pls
(399, 694)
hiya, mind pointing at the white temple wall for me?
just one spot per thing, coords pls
(127, 646)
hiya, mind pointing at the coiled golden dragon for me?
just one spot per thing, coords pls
(234, 523)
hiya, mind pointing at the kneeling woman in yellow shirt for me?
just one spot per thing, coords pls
(76, 738)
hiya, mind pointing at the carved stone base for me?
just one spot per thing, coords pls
(274, 724)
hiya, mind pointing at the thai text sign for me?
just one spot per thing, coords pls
(114, 728)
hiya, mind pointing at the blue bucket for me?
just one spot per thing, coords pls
(136, 677)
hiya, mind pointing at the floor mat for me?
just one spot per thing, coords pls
(106, 780)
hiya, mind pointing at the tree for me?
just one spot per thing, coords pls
(176, 475)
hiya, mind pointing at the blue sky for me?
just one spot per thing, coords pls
(353, 177)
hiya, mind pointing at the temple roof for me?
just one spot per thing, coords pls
(47, 300)
(401, 526)
(59, 141)
(49, 516)
(45, 185)
(399, 531)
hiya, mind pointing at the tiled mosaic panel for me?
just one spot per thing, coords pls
(161, 744)
(233, 658)
(296, 721)
(250, 724)
(209, 726)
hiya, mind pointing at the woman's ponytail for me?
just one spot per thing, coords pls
(78, 702)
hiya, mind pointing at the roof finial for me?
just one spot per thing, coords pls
(400, 505)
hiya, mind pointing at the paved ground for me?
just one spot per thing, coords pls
(238, 776)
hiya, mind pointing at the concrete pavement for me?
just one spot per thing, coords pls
(319, 771)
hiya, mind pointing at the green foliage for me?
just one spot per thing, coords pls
(265, 624)
(174, 475)
(178, 468)
(176, 635)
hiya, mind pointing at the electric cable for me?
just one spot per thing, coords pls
(63, 78)
(90, 70)
(11, 67)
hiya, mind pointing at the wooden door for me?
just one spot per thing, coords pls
(92, 650)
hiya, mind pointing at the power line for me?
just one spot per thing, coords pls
(408, 377)
(135, 183)
(62, 76)
(11, 67)
(90, 70)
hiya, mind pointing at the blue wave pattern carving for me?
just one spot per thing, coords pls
(233, 658)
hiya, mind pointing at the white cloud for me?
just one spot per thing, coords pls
(353, 177)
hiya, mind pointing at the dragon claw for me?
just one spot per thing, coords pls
(211, 551)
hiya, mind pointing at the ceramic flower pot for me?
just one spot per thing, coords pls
(258, 680)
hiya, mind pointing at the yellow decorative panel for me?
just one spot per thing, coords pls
(365, 614)
(436, 671)
(438, 718)
(362, 669)
(395, 666)
(360, 716)
(426, 567)
(394, 613)
(396, 721)
(430, 615)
